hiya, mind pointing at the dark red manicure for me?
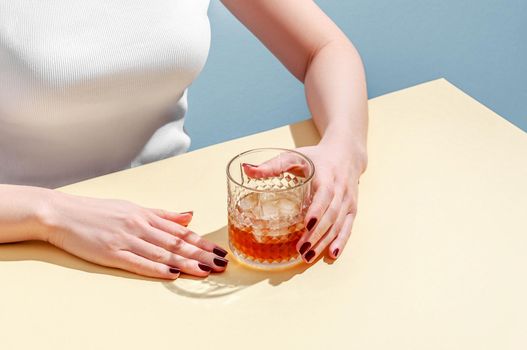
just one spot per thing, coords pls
(205, 268)
(220, 262)
(336, 252)
(304, 248)
(174, 270)
(311, 223)
(251, 165)
(310, 255)
(220, 252)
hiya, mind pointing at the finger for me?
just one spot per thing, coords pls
(327, 238)
(142, 266)
(157, 254)
(337, 246)
(188, 236)
(180, 247)
(285, 162)
(311, 238)
(320, 203)
(181, 218)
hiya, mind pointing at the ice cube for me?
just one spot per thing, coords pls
(248, 202)
(269, 210)
(259, 234)
(287, 207)
(279, 231)
(266, 196)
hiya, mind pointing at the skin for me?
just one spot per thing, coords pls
(109, 232)
(317, 53)
(157, 243)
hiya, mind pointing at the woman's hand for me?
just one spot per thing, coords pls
(320, 55)
(330, 216)
(117, 233)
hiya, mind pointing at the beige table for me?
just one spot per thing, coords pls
(437, 260)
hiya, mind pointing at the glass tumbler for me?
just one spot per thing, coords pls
(269, 191)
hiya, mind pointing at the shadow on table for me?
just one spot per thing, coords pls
(304, 134)
(45, 252)
(237, 277)
(234, 279)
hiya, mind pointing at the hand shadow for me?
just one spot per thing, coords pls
(238, 276)
(45, 252)
(234, 279)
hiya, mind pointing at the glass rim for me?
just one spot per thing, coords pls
(308, 179)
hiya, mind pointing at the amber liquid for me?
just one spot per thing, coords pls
(270, 248)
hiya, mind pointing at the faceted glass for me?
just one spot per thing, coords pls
(269, 191)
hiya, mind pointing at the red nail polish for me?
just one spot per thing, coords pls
(336, 253)
(304, 248)
(311, 223)
(205, 268)
(310, 255)
(187, 212)
(174, 270)
(251, 165)
(221, 262)
(220, 252)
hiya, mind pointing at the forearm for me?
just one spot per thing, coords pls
(22, 213)
(335, 87)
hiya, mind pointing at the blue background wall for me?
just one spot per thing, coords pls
(478, 45)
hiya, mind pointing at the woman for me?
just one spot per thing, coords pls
(92, 87)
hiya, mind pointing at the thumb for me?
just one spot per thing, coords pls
(276, 166)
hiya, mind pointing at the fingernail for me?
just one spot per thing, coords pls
(304, 248)
(204, 267)
(311, 223)
(221, 262)
(220, 252)
(187, 212)
(310, 255)
(336, 252)
(174, 270)
(251, 165)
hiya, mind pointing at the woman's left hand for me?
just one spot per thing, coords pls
(330, 216)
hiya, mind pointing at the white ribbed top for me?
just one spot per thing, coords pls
(92, 87)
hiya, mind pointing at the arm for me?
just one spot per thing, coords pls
(315, 51)
(22, 215)
(115, 233)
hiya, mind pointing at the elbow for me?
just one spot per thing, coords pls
(339, 46)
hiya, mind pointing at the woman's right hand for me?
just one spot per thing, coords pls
(117, 233)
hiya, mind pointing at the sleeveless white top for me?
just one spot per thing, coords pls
(89, 87)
